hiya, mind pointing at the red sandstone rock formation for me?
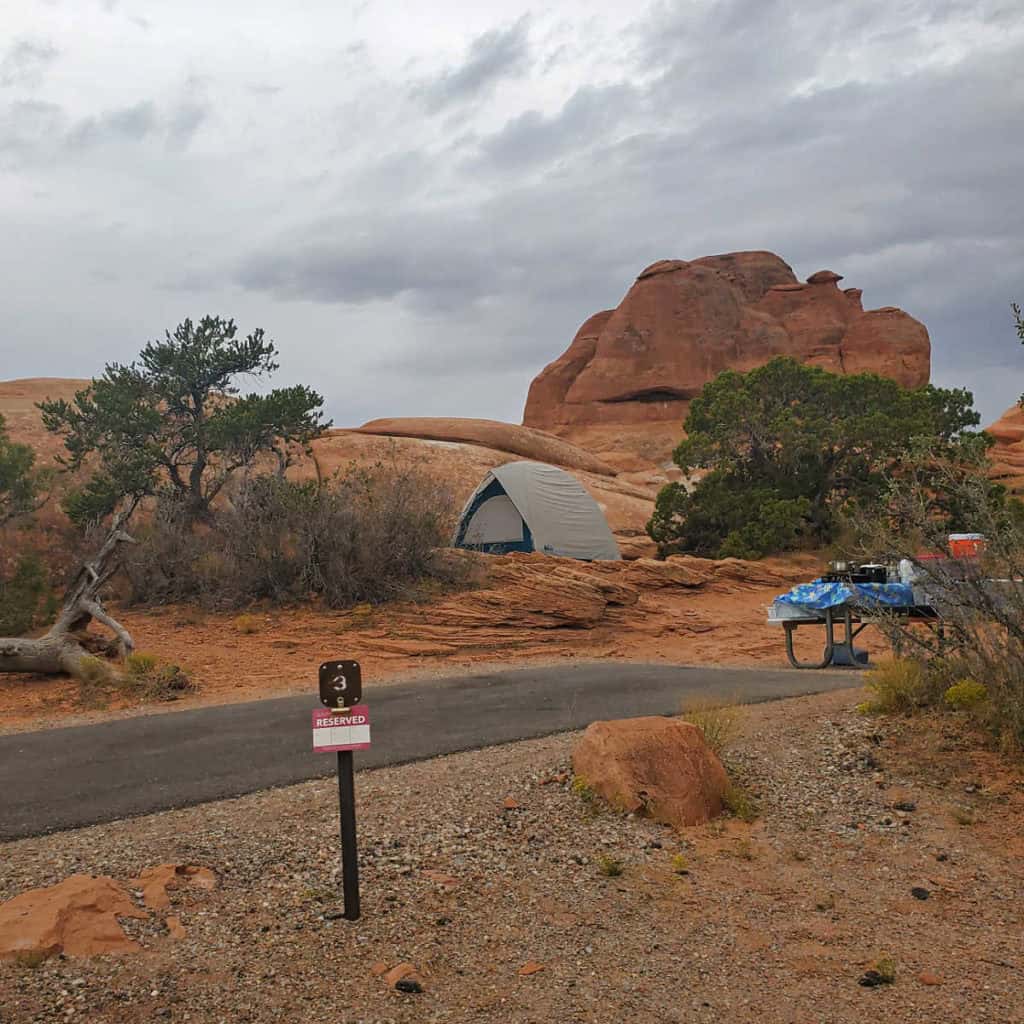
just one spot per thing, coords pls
(78, 916)
(505, 437)
(626, 380)
(657, 767)
(1007, 454)
(154, 882)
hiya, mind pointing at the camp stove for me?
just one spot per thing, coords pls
(857, 572)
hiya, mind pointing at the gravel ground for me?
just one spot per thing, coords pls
(479, 868)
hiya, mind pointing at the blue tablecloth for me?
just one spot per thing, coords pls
(821, 595)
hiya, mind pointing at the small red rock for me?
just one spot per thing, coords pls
(510, 804)
(559, 778)
(530, 967)
(929, 978)
(378, 968)
(441, 877)
(400, 972)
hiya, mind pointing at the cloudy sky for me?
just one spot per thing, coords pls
(421, 203)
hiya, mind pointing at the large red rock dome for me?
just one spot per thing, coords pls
(623, 386)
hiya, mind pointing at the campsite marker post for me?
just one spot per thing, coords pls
(343, 725)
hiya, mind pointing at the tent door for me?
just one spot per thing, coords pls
(494, 525)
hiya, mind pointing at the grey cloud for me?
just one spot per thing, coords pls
(24, 62)
(498, 54)
(439, 257)
(26, 126)
(584, 120)
(184, 121)
(126, 124)
(35, 130)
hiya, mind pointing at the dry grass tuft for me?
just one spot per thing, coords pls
(720, 724)
(740, 804)
(609, 866)
(896, 685)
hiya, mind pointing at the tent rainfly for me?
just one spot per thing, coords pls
(530, 506)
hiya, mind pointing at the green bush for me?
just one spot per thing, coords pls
(885, 967)
(148, 678)
(140, 664)
(720, 520)
(967, 695)
(582, 789)
(897, 685)
(26, 599)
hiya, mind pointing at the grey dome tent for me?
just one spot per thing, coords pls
(530, 506)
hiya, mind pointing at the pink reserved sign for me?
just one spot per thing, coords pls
(341, 732)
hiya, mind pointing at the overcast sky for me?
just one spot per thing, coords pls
(421, 203)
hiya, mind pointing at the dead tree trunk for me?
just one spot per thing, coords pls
(61, 650)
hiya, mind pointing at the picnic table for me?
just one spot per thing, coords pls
(826, 603)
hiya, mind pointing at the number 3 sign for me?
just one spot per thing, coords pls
(341, 684)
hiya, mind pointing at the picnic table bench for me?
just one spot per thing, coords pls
(855, 605)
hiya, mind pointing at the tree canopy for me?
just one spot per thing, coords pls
(19, 479)
(173, 420)
(785, 448)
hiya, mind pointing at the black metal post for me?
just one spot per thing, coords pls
(349, 854)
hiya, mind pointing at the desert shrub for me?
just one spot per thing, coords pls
(146, 677)
(365, 537)
(967, 695)
(141, 664)
(899, 684)
(96, 680)
(26, 598)
(247, 624)
(720, 724)
(885, 967)
(610, 867)
(740, 803)
(581, 788)
(159, 682)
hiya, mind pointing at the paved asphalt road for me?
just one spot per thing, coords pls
(65, 778)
